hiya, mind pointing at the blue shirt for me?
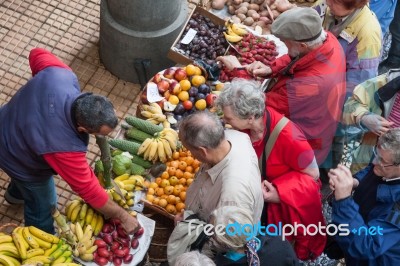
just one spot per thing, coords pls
(384, 11)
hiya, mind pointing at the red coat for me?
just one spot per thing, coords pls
(312, 93)
(299, 193)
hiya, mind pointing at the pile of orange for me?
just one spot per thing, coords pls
(169, 189)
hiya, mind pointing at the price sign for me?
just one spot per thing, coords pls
(152, 93)
(189, 36)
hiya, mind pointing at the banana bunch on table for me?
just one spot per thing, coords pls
(161, 147)
(154, 114)
(234, 32)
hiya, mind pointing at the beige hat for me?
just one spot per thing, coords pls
(301, 24)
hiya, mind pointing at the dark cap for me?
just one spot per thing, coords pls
(302, 24)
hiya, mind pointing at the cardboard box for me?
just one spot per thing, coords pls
(174, 53)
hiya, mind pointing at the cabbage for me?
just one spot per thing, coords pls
(121, 164)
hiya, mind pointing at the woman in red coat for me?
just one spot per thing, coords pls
(291, 178)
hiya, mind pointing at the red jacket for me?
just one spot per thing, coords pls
(311, 93)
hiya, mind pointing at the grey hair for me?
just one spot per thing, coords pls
(193, 258)
(390, 141)
(245, 97)
(94, 111)
(229, 215)
(202, 129)
(322, 37)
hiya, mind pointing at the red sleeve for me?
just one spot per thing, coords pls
(74, 169)
(40, 58)
(280, 63)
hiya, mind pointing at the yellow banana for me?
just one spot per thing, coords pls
(87, 234)
(60, 259)
(43, 235)
(5, 239)
(129, 182)
(146, 114)
(9, 254)
(53, 248)
(156, 108)
(58, 252)
(144, 146)
(89, 215)
(238, 29)
(153, 121)
(78, 231)
(29, 238)
(41, 259)
(9, 248)
(129, 187)
(66, 264)
(95, 219)
(162, 157)
(34, 252)
(230, 31)
(153, 150)
(99, 225)
(83, 211)
(42, 243)
(171, 131)
(166, 124)
(86, 257)
(159, 117)
(122, 177)
(173, 142)
(145, 107)
(75, 213)
(70, 207)
(91, 250)
(167, 148)
(18, 242)
(6, 261)
(81, 222)
(232, 38)
(19, 230)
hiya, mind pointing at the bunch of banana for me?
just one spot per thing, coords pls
(154, 114)
(9, 254)
(161, 147)
(116, 197)
(85, 238)
(79, 211)
(234, 31)
(128, 184)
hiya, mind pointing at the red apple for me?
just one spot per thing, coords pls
(167, 94)
(174, 87)
(163, 86)
(188, 105)
(180, 74)
(210, 98)
(169, 73)
(157, 78)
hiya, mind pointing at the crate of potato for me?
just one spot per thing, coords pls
(167, 193)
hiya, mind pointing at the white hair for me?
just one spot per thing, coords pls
(318, 41)
(193, 258)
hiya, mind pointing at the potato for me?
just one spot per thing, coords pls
(258, 2)
(241, 10)
(235, 19)
(246, 4)
(275, 13)
(231, 10)
(283, 5)
(266, 20)
(248, 21)
(218, 4)
(254, 7)
(241, 16)
(237, 2)
(269, 2)
(256, 16)
(264, 13)
(250, 12)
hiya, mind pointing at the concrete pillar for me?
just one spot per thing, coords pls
(131, 29)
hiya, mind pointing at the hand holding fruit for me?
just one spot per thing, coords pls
(229, 61)
(258, 69)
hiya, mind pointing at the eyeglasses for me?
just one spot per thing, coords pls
(379, 159)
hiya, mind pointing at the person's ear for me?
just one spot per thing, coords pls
(82, 129)
(203, 151)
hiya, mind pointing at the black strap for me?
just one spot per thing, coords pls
(264, 166)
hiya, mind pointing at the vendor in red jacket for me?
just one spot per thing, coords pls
(308, 84)
(44, 131)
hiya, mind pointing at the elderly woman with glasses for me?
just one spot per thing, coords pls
(373, 211)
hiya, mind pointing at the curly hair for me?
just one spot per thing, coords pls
(350, 4)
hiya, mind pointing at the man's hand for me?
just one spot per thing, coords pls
(376, 123)
(178, 217)
(258, 69)
(130, 223)
(269, 192)
(341, 180)
(229, 61)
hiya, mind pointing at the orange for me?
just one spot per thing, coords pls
(150, 191)
(189, 181)
(173, 180)
(179, 173)
(164, 183)
(189, 169)
(177, 190)
(196, 163)
(175, 155)
(159, 192)
(182, 181)
(175, 163)
(173, 99)
(153, 185)
(147, 183)
(219, 86)
(183, 153)
(191, 70)
(158, 181)
(150, 198)
(155, 201)
(164, 196)
(182, 195)
(189, 160)
(168, 190)
(163, 203)
(180, 206)
(187, 175)
(185, 84)
(171, 199)
(177, 200)
(183, 96)
(197, 80)
(171, 209)
(201, 104)
(171, 170)
(182, 165)
(165, 175)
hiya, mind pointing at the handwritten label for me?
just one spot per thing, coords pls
(152, 93)
(189, 36)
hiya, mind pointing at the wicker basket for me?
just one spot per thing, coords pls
(8, 228)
